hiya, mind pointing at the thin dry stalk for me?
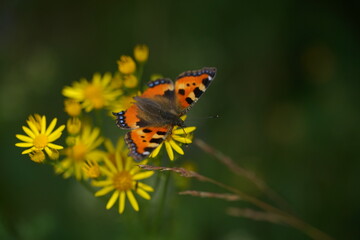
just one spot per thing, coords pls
(311, 231)
(254, 215)
(223, 196)
(240, 171)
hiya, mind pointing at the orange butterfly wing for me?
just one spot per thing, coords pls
(142, 141)
(129, 119)
(191, 85)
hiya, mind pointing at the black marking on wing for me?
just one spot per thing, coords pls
(161, 133)
(206, 82)
(149, 149)
(157, 140)
(169, 94)
(181, 92)
(198, 92)
(189, 100)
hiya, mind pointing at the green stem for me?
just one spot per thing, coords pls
(160, 214)
(99, 118)
(139, 73)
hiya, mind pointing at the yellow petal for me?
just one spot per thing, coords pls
(33, 127)
(104, 191)
(51, 127)
(105, 171)
(132, 200)
(143, 175)
(118, 161)
(182, 139)
(121, 202)
(183, 117)
(55, 146)
(169, 150)
(110, 165)
(27, 151)
(28, 132)
(176, 147)
(24, 145)
(145, 187)
(109, 146)
(56, 134)
(184, 130)
(24, 138)
(48, 151)
(101, 183)
(112, 200)
(129, 163)
(156, 151)
(43, 124)
(143, 194)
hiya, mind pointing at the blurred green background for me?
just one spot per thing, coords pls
(287, 93)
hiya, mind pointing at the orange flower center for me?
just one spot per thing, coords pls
(123, 181)
(40, 141)
(95, 95)
(79, 151)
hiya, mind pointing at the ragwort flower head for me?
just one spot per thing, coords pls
(178, 135)
(84, 149)
(122, 179)
(39, 138)
(141, 53)
(126, 65)
(72, 107)
(96, 94)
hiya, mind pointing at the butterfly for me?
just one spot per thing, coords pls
(153, 115)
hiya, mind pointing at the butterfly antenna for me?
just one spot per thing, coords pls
(214, 116)
(183, 128)
(208, 117)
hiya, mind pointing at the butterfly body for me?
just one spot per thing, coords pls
(153, 115)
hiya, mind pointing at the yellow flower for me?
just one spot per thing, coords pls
(73, 125)
(111, 149)
(39, 137)
(93, 95)
(117, 81)
(36, 120)
(122, 179)
(84, 149)
(178, 134)
(72, 107)
(141, 53)
(37, 156)
(91, 169)
(126, 65)
(54, 154)
(123, 103)
(130, 81)
(156, 77)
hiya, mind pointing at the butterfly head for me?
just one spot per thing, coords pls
(179, 122)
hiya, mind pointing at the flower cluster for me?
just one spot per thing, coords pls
(86, 154)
